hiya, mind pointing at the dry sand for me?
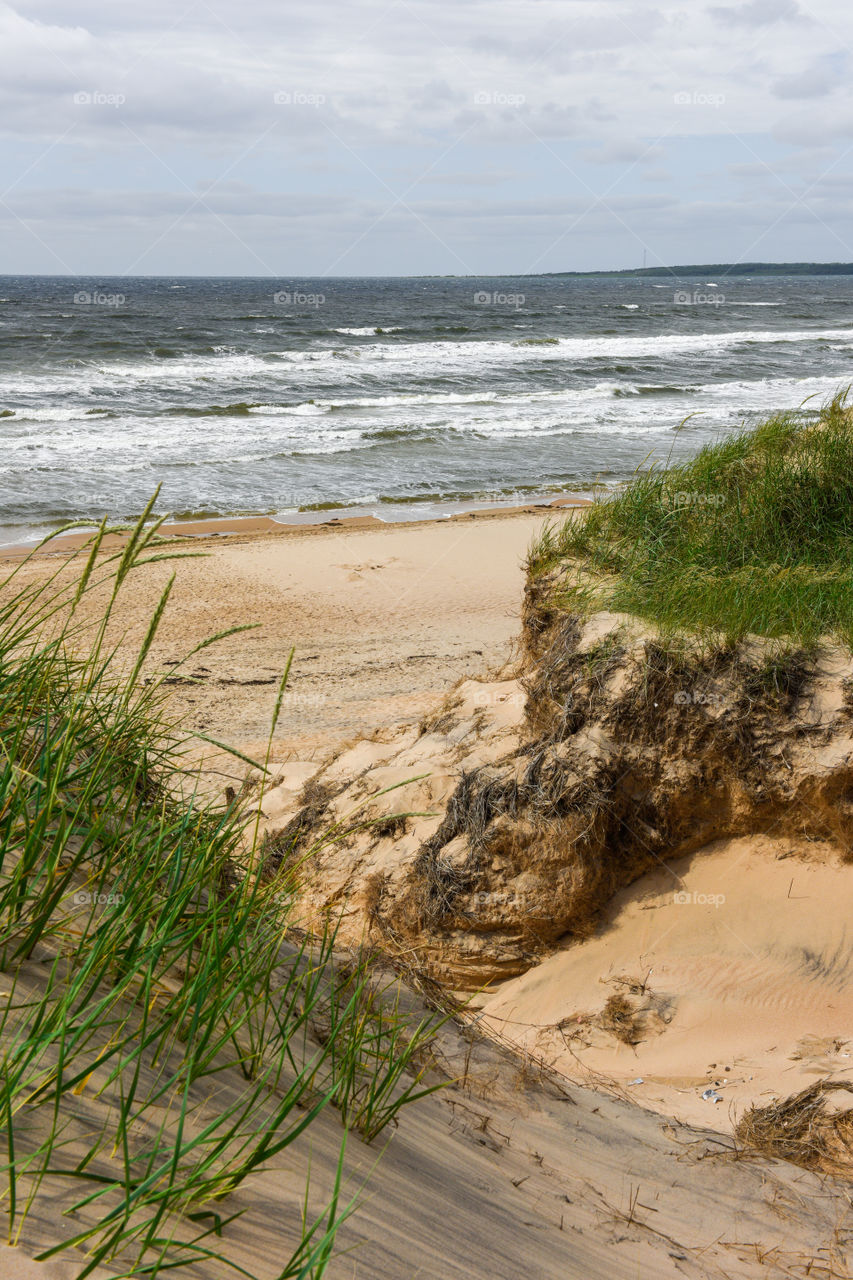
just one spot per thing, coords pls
(750, 969)
(503, 1178)
(735, 960)
(744, 953)
(382, 617)
(505, 1174)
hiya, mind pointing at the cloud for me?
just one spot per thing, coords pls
(657, 175)
(817, 80)
(496, 178)
(356, 106)
(814, 126)
(760, 13)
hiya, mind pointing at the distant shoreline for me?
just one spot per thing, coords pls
(708, 268)
(725, 268)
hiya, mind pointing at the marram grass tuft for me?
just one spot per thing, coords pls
(753, 536)
(158, 1002)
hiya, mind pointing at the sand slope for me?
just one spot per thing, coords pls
(743, 956)
(507, 1174)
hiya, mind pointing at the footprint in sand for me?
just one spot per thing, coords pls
(357, 570)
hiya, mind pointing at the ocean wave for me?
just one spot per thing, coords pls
(488, 351)
(398, 360)
(309, 409)
(240, 409)
(414, 400)
(359, 500)
(410, 434)
(457, 406)
(52, 413)
(370, 330)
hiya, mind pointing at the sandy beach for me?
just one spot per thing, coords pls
(407, 672)
(385, 622)
(383, 619)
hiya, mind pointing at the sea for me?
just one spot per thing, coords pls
(405, 398)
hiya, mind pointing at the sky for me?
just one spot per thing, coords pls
(302, 138)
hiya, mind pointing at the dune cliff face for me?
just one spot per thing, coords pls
(508, 819)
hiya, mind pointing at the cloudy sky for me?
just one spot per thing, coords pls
(365, 137)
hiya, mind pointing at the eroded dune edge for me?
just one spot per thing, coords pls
(656, 884)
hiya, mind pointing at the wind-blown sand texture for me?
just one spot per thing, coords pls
(516, 1171)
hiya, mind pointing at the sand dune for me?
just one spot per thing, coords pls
(506, 1174)
(740, 984)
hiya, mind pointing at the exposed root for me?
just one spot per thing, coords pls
(803, 1130)
(620, 1018)
(286, 847)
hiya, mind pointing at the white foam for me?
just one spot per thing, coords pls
(414, 398)
(311, 409)
(371, 330)
(68, 431)
(451, 355)
(52, 415)
(394, 361)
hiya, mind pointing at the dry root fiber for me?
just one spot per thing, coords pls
(804, 1130)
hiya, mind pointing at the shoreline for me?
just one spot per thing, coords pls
(260, 526)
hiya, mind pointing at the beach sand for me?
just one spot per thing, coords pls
(746, 971)
(506, 1177)
(383, 618)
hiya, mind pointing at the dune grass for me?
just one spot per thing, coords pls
(754, 535)
(158, 1003)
